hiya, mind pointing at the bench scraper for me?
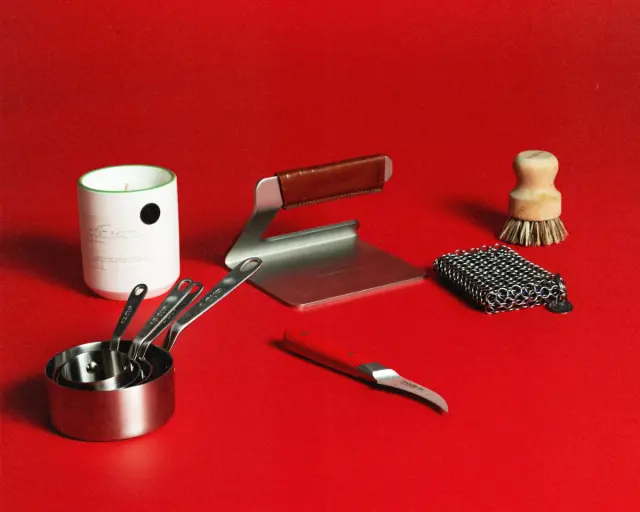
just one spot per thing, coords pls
(342, 360)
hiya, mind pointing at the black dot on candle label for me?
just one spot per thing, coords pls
(150, 213)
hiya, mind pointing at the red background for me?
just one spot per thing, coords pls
(544, 408)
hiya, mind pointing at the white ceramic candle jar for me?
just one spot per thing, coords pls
(129, 229)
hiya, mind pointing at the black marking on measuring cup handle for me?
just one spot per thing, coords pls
(126, 314)
(161, 312)
(213, 295)
(561, 306)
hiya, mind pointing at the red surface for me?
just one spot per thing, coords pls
(544, 409)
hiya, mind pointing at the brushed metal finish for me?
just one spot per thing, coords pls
(98, 370)
(388, 377)
(112, 415)
(148, 402)
(243, 271)
(194, 291)
(145, 364)
(94, 371)
(166, 308)
(321, 274)
(318, 265)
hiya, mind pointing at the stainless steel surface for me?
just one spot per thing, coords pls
(136, 297)
(243, 271)
(103, 371)
(498, 279)
(148, 402)
(84, 373)
(322, 274)
(194, 290)
(111, 415)
(388, 377)
(95, 371)
(98, 370)
(314, 266)
(157, 321)
(145, 365)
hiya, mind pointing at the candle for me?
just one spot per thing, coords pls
(129, 229)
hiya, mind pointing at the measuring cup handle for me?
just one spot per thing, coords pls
(136, 297)
(233, 279)
(166, 308)
(194, 290)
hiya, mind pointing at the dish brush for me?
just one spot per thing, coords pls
(534, 204)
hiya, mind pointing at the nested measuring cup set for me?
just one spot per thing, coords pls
(117, 389)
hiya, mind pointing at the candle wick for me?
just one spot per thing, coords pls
(126, 187)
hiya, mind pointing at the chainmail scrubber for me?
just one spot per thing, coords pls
(498, 279)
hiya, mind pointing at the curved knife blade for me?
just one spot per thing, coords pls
(388, 377)
(350, 363)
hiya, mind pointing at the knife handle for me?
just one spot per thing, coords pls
(325, 353)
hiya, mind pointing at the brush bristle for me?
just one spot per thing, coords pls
(529, 232)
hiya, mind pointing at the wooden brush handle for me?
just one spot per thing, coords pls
(535, 196)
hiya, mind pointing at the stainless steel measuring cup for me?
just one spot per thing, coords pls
(136, 297)
(144, 406)
(103, 370)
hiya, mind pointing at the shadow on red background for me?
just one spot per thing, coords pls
(26, 401)
(46, 257)
(478, 214)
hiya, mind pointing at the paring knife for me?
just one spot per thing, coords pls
(324, 352)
